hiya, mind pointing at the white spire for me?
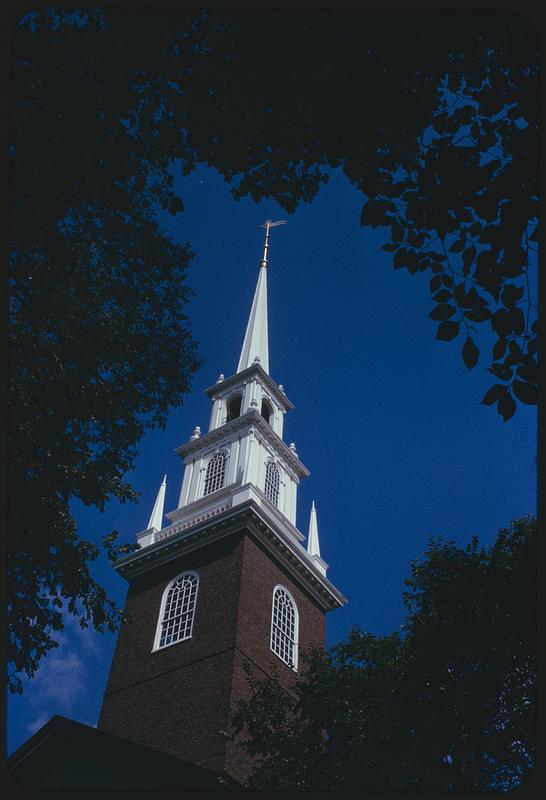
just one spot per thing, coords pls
(156, 520)
(256, 345)
(313, 547)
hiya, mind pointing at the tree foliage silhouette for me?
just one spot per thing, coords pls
(99, 345)
(447, 705)
(433, 116)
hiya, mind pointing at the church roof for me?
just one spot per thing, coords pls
(67, 755)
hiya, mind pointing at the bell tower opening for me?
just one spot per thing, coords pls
(267, 411)
(234, 407)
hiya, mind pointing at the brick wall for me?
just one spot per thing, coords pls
(179, 699)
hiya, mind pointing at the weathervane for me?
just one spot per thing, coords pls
(267, 225)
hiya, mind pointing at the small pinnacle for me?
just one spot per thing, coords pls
(196, 433)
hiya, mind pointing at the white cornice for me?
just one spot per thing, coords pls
(252, 419)
(246, 516)
(245, 375)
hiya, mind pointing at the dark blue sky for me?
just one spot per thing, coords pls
(387, 419)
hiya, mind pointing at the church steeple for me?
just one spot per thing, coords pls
(228, 581)
(255, 345)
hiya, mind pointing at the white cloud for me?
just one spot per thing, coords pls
(62, 683)
(61, 678)
(36, 723)
(88, 638)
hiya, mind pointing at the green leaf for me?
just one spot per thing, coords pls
(514, 348)
(469, 299)
(499, 349)
(443, 311)
(465, 114)
(401, 258)
(526, 392)
(478, 314)
(528, 371)
(494, 393)
(516, 320)
(469, 256)
(506, 407)
(465, 215)
(375, 212)
(501, 371)
(397, 231)
(511, 294)
(442, 296)
(500, 323)
(447, 331)
(470, 353)
(490, 234)
(435, 283)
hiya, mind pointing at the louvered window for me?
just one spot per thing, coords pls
(216, 471)
(271, 487)
(284, 627)
(178, 610)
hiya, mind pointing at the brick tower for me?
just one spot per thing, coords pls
(227, 580)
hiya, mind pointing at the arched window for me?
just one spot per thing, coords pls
(272, 481)
(234, 407)
(284, 627)
(216, 471)
(267, 411)
(177, 610)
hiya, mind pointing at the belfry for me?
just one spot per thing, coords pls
(226, 580)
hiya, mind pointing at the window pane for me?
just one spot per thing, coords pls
(271, 488)
(177, 619)
(214, 479)
(283, 627)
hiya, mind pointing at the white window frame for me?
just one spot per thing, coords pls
(292, 663)
(161, 620)
(225, 454)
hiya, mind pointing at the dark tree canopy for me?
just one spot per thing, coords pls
(447, 705)
(432, 115)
